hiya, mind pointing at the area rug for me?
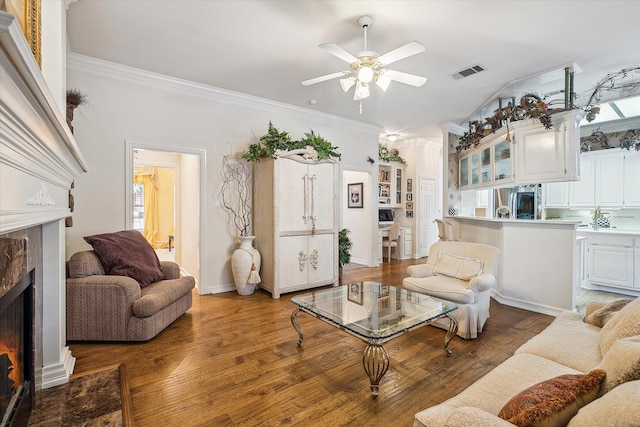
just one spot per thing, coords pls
(99, 398)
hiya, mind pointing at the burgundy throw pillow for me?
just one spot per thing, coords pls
(127, 253)
(553, 402)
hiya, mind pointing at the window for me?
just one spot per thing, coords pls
(138, 207)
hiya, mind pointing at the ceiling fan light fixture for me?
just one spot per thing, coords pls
(361, 92)
(365, 74)
(392, 137)
(347, 83)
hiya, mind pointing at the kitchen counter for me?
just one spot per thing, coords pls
(601, 230)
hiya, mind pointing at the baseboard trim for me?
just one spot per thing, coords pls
(526, 305)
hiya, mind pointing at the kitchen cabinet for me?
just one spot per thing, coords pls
(581, 192)
(632, 180)
(636, 272)
(541, 154)
(556, 194)
(611, 260)
(390, 185)
(537, 155)
(609, 187)
(608, 178)
(489, 165)
(295, 223)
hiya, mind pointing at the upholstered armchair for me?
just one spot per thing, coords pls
(103, 307)
(462, 272)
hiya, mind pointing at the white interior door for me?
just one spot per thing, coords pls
(428, 231)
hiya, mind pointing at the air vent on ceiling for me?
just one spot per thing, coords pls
(475, 69)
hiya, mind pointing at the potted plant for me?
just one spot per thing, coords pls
(344, 248)
(235, 196)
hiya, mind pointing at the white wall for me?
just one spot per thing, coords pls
(128, 104)
(360, 222)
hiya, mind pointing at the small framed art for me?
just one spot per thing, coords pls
(354, 192)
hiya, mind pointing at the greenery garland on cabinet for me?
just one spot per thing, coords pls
(275, 140)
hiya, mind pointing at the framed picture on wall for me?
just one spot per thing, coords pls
(27, 13)
(354, 193)
(409, 206)
(409, 185)
(409, 214)
(409, 197)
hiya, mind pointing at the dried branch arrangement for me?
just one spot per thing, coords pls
(235, 193)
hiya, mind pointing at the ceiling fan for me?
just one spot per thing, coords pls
(369, 67)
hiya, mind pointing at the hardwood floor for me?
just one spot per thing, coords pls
(233, 360)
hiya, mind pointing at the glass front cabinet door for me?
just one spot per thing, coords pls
(502, 162)
(464, 171)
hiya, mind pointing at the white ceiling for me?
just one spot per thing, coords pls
(266, 48)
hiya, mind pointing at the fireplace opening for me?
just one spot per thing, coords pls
(16, 353)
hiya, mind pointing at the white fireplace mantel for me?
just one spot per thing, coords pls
(39, 160)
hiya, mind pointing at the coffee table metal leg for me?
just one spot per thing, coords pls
(296, 325)
(376, 362)
(453, 329)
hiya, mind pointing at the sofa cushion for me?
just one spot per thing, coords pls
(84, 264)
(469, 416)
(456, 266)
(491, 392)
(625, 323)
(161, 294)
(443, 287)
(602, 315)
(621, 363)
(553, 402)
(568, 341)
(127, 253)
(618, 408)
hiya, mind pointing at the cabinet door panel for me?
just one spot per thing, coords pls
(321, 262)
(631, 182)
(292, 185)
(581, 192)
(541, 156)
(502, 163)
(293, 261)
(321, 195)
(556, 194)
(611, 265)
(609, 186)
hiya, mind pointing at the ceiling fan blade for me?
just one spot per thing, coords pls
(336, 50)
(408, 79)
(409, 49)
(325, 78)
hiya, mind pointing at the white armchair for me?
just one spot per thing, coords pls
(462, 272)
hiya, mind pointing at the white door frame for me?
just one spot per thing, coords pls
(129, 161)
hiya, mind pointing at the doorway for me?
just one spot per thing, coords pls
(176, 223)
(427, 228)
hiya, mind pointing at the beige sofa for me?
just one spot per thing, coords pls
(462, 272)
(116, 308)
(568, 345)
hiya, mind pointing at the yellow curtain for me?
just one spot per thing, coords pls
(148, 180)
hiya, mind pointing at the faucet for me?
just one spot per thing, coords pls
(596, 216)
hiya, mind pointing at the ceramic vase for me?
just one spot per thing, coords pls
(242, 261)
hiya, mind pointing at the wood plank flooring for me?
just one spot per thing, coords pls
(233, 361)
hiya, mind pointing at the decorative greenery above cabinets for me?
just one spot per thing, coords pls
(275, 141)
(387, 154)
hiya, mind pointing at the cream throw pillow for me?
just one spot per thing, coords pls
(621, 363)
(456, 266)
(626, 323)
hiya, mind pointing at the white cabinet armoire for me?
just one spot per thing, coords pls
(296, 223)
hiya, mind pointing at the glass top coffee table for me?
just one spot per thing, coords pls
(375, 313)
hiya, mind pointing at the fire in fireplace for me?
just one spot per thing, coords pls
(16, 337)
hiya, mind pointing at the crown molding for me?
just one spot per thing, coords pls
(114, 71)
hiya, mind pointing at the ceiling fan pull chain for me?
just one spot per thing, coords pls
(361, 106)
